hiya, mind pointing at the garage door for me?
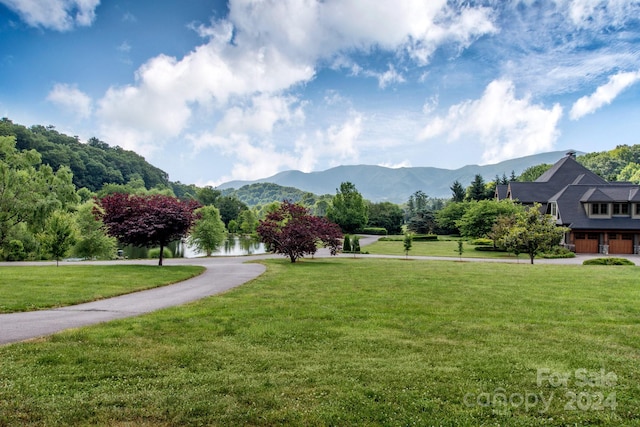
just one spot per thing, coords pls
(587, 243)
(620, 243)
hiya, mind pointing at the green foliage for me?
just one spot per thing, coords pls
(457, 192)
(407, 243)
(534, 172)
(558, 252)
(230, 208)
(93, 241)
(532, 233)
(355, 243)
(248, 222)
(384, 215)
(346, 243)
(424, 237)
(376, 231)
(59, 235)
(608, 261)
(208, 232)
(233, 226)
(482, 241)
(15, 251)
(154, 253)
(477, 190)
(460, 248)
(348, 209)
(480, 216)
(447, 218)
(265, 192)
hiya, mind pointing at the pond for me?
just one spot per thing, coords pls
(233, 246)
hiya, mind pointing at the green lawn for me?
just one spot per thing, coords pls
(442, 248)
(352, 342)
(33, 288)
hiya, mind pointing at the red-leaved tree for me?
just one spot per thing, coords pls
(142, 220)
(292, 231)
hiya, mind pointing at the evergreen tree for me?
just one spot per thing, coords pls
(457, 191)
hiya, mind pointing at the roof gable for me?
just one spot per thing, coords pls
(567, 171)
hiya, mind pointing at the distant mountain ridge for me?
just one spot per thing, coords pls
(378, 183)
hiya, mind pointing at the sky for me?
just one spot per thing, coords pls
(214, 91)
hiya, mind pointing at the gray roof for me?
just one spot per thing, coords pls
(572, 212)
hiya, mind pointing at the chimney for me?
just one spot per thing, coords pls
(571, 154)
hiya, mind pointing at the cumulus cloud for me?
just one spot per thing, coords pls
(604, 95)
(60, 15)
(506, 126)
(71, 99)
(266, 49)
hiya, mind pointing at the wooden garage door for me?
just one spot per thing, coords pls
(620, 243)
(587, 243)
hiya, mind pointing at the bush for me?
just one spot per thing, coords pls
(155, 253)
(346, 245)
(488, 249)
(558, 252)
(424, 237)
(482, 242)
(376, 231)
(608, 261)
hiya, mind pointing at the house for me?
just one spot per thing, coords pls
(603, 217)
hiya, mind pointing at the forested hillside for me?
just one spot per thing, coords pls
(265, 193)
(93, 164)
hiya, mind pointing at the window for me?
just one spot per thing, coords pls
(621, 209)
(599, 209)
(637, 208)
(554, 209)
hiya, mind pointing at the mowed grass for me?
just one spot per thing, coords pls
(351, 342)
(440, 248)
(38, 287)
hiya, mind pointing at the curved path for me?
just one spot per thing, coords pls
(221, 274)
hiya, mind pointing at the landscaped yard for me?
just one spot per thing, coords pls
(38, 287)
(353, 342)
(443, 247)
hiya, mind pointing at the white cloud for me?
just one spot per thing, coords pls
(388, 77)
(505, 126)
(250, 63)
(71, 99)
(402, 164)
(60, 15)
(604, 95)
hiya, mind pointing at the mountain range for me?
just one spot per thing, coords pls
(378, 183)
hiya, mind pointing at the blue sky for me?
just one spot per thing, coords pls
(212, 91)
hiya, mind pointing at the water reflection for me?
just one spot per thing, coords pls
(233, 246)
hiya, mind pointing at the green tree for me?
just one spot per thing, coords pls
(348, 209)
(447, 218)
(386, 215)
(208, 195)
(481, 215)
(407, 243)
(59, 235)
(533, 233)
(248, 222)
(346, 243)
(208, 232)
(93, 241)
(477, 190)
(457, 191)
(533, 172)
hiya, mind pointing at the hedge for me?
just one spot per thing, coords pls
(608, 261)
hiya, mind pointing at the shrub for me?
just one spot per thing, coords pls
(155, 253)
(558, 252)
(483, 241)
(376, 231)
(488, 249)
(608, 261)
(424, 237)
(346, 245)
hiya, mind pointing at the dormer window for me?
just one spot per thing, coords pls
(621, 209)
(599, 209)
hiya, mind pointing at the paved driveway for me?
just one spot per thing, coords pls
(221, 274)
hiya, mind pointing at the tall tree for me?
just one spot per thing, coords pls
(480, 217)
(292, 231)
(141, 220)
(386, 215)
(457, 192)
(208, 232)
(348, 209)
(477, 190)
(93, 241)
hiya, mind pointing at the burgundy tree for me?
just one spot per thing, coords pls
(152, 220)
(293, 232)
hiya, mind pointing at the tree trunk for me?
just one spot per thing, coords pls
(161, 253)
(532, 256)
